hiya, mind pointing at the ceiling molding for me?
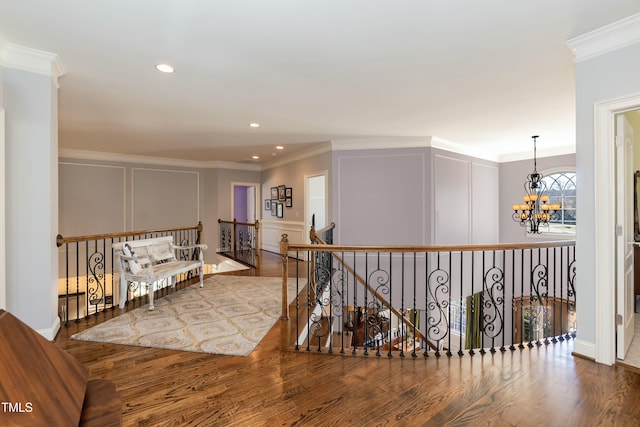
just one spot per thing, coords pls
(321, 148)
(377, 143)
(466, 150)
(540, 153)
(31, 60)
(606, 39)
(150, 160)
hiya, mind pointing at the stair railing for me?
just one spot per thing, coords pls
(88, 283)
(431, 298)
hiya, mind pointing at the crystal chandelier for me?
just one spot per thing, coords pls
(536, 210)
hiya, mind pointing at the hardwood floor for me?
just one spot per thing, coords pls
(544, 385)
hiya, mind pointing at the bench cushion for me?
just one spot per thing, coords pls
(162, 271)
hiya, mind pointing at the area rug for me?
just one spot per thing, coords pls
(229, 315)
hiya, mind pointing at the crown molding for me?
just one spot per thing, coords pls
(377, 143)
(466, 150)
(540, 153)
(606, 39)
(317, 150)
(150, 160)
(31, 60)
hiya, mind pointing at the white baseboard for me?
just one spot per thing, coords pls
(584, 348)
(50, 333)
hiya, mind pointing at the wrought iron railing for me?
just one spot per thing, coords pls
(431, 299)
(88, 282)
(239, 240)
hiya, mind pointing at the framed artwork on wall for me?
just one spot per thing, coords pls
(288, 202)
(281, 192)
(274, 193)
(288, 192)
(273, 207)
(267, 204)
(279, 210)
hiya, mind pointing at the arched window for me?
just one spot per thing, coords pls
(562, 189)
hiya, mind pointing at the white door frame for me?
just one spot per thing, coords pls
(605, 215)
(257, 204)
(307, 216)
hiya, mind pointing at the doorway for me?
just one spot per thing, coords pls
(244, 201)
(316, 200)
(605, 242)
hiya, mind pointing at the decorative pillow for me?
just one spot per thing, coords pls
(134, 265)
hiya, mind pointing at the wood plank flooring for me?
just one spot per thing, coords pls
(545, 385)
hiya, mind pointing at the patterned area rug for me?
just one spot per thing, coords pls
(230, 315)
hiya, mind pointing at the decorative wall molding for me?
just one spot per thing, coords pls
(272, 233)
(606, 39)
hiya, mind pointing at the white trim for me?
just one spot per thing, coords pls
(606, 39)
(50, 333)
(31, 60)
(307, 219)
(257, 197)
(541, 153)
(604, 177)
(584, 348)
(306, 154)
(373, 143)
(150, 160)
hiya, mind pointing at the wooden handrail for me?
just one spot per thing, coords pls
(434, 248)
(315, 235)
(60, 240)
(223, 221)
(321, 246)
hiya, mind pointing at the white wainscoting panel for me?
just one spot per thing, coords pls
(272, 232)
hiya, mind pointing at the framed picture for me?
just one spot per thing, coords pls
(279, 210)
(281, 192)
(288, 192)
(267, 204)
(274, 193)
(273, 207)
(288, 202)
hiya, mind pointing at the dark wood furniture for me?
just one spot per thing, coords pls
(41, 385)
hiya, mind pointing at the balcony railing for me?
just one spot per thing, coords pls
(431, 299)
(239, 240)
(88, 283)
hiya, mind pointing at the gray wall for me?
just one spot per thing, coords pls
(609, 76)
(512, 178)
(414, 196)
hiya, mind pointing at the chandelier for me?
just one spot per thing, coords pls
(536, 210)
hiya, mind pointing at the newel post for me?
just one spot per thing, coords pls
(284, 252)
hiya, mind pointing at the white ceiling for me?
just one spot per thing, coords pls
(482, 74)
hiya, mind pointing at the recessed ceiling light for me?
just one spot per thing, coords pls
(279, 147)
(254, 125)
(165, 68)
(255, 157)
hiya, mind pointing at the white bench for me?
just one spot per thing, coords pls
(148, 261)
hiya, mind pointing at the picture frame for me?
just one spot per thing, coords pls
(267, 204)
(288, 193)
(288, 202)
(274, 207)
(279, 210)
(281, 192)
(274, 193)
